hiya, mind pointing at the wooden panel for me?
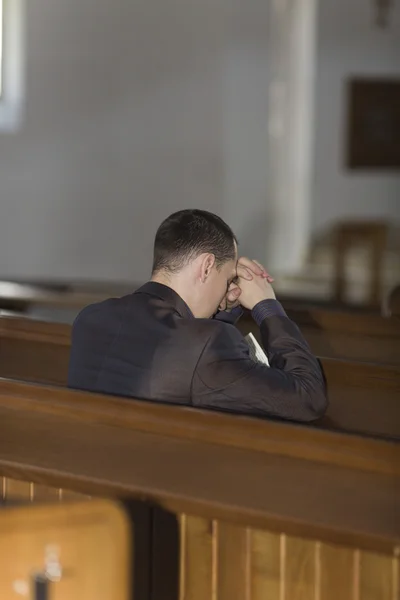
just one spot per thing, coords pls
(337, 573)
(45, 493)
(260, 435)
(234, 562)
(13, 490)
(299, 568)
(39, 362)
(64, 494)
(92, 544)
(378, 577)
(267, 563)
(220, 561)
(343, 335)
(17, 490)
(198, 538)
(82, 449)
(39, 352)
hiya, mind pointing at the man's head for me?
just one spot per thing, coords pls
(195, 253)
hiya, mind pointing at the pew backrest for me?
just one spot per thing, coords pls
(363, 397)
(260, 506)
(68, 549)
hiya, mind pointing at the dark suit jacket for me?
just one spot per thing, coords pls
(148, 345)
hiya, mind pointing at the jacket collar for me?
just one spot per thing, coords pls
(158, 290)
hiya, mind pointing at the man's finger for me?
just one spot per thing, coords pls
(233, 295)
(265, 272)
(244, 272)
(223, 305)
(252, 265)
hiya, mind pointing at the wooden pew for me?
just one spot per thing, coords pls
(25, 296)
(353, 334)
(340, 334)
(391, 304)
(263, 510)
(330, 334)
(65, 550)
(34, 350)
(363, 398)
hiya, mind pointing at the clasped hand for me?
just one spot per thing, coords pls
(252, 285)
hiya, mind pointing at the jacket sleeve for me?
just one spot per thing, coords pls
(292, 387)
(231, 316)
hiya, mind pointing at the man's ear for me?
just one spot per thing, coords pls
(206, 266)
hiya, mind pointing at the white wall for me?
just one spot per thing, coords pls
(133, 110)
(123, 126)
(245, 81)
(136, 108)
(349, 43)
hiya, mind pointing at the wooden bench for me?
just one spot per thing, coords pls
(64, 550)
(340, 334)
(34, 350)
(355, 335)
(363, 397)
(261, 509)
(67, 298)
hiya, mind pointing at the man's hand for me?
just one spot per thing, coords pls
(255, 290)
(246, 269)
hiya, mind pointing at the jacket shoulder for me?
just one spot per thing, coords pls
(97, 310)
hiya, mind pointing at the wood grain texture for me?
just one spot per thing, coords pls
(218, 560)
(337, 573)
(15, 491)
(197, 558)
(254, 565)
(19, 491)
(212, 427)
(378, 577)
(344, 335)
(92, 543)
(39, 362)
(267, 565)
(80, 449)
(300, 569)
(39, 352)
(233, 562)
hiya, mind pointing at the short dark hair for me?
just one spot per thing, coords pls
(186, 234)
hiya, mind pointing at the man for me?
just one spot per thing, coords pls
(162, 342)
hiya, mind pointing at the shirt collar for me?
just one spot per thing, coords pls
(159, 290)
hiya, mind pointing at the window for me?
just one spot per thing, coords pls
(11, 64)
(1, 47)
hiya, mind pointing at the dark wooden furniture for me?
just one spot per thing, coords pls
(66, 551)
(364, 397)
(373, 120)
(262, 509)
(374, 236)
(343, 334)
(391, 307)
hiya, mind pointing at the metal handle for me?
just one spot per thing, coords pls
(40, 587)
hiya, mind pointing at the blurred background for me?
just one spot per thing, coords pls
(282, 116)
